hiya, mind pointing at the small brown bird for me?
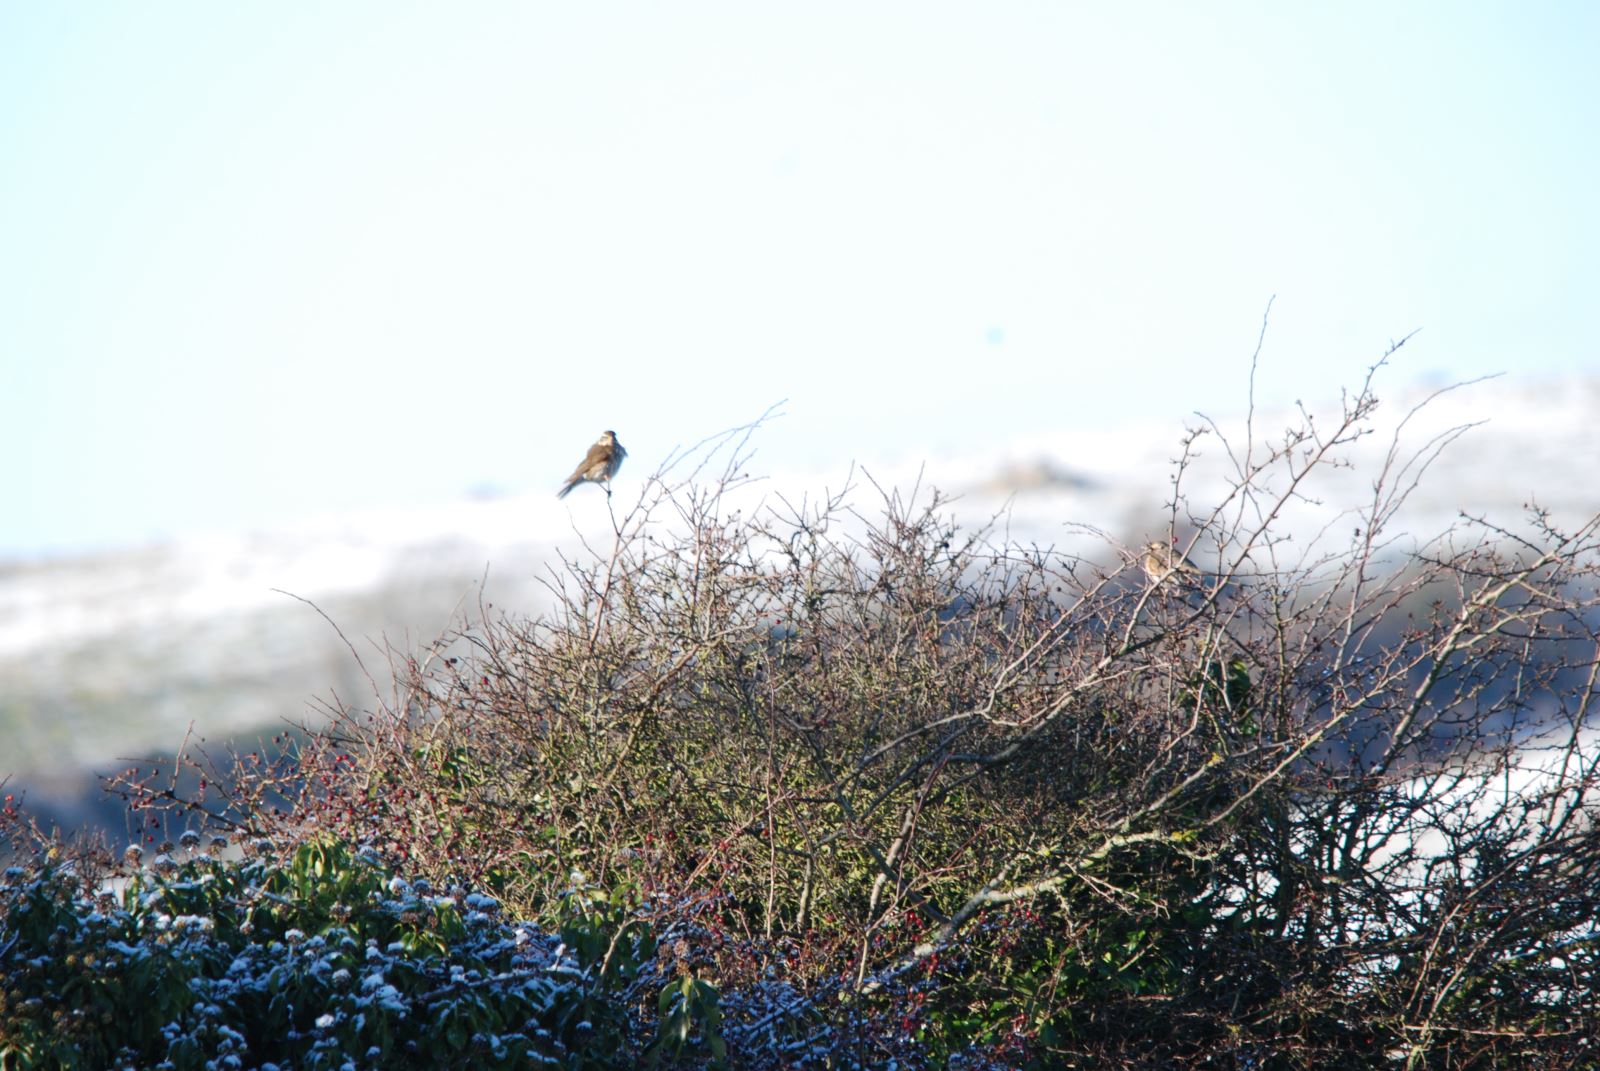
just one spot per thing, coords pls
(1161, 560)
(598, 465)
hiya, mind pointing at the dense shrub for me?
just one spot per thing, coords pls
(908, 793)
(323, 960)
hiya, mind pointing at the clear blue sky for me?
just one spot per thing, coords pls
(264, 259)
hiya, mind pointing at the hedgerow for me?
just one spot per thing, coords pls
(906, 793)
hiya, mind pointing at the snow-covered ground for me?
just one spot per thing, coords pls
(112, 655)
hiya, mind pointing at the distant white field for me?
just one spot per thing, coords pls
(114, 654)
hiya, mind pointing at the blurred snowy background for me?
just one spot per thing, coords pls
(114, 654)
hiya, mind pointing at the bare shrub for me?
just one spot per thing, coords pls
(906, 790)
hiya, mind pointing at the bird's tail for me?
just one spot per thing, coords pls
(566, 487)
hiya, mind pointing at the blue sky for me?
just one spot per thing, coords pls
(264, 260)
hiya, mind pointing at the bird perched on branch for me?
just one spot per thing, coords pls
(598, 465)
(1162, 560)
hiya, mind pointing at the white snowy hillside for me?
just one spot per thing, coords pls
(113, 655)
